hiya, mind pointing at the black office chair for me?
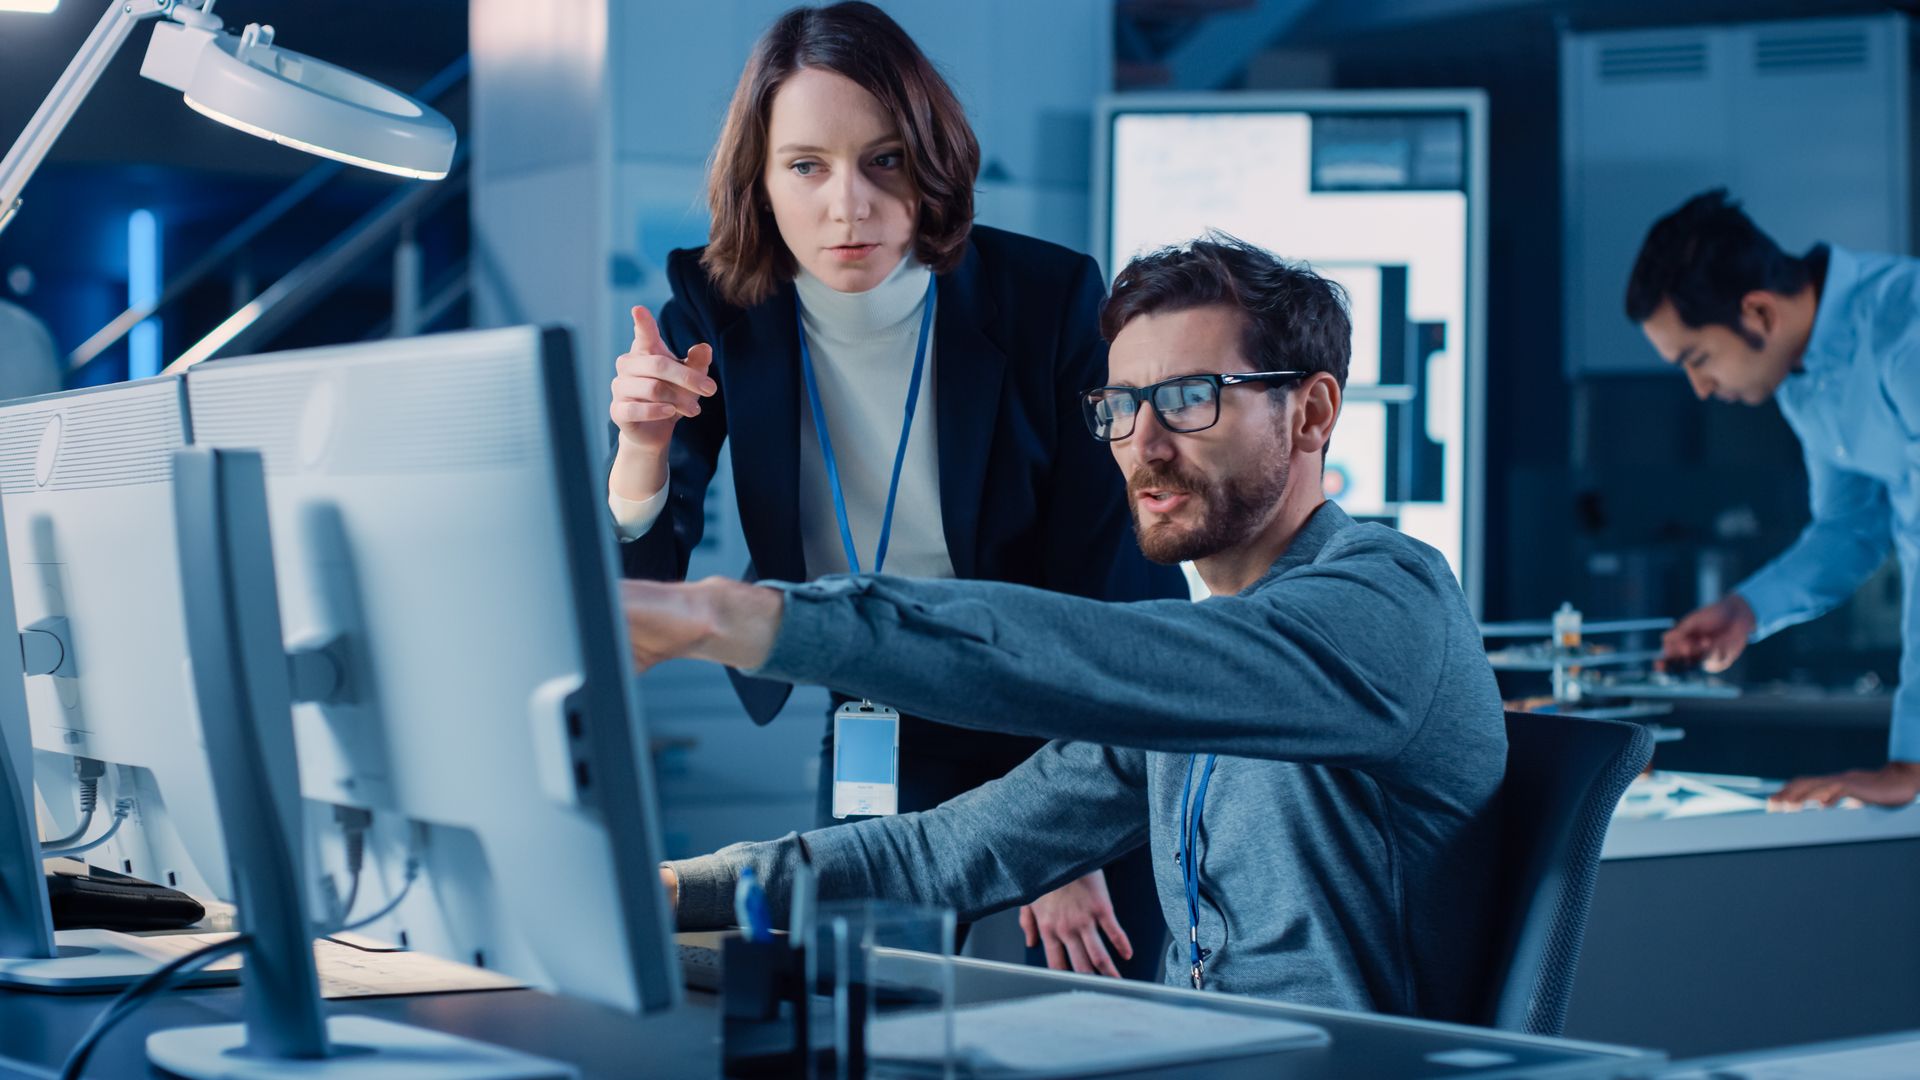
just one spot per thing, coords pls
(1565, 775)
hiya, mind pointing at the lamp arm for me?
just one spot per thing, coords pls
(64, 99)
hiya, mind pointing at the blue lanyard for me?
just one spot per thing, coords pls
(1190, 811)
(899, 456)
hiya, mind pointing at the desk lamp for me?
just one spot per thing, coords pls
(245, 81)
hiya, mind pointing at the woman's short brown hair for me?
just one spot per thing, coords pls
(745, 255)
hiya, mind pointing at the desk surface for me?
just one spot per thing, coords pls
(40, 1029)
(1656, 838)
(1789, 706)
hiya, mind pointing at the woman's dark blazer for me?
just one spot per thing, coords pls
(1026, 493)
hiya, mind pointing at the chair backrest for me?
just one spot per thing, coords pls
(1565, 775)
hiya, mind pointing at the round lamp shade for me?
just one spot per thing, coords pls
(312, 105)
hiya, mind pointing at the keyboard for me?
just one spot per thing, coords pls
(700, 960)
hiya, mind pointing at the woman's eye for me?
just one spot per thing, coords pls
(804, 168)
(890, 160)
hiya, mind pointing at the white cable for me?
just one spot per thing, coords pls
(89, 798)
(406, 886)
(121, 809)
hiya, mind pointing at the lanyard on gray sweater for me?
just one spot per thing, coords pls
(1183, 853)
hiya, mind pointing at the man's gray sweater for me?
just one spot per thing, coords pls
(1347, 844)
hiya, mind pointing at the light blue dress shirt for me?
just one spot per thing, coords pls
(1856, 407)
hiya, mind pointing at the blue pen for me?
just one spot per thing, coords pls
(750, 907)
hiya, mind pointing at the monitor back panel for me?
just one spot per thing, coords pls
(414, 510)
(87, 483)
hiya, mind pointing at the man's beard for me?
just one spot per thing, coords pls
(1231, 508)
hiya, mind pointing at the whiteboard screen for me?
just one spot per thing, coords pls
(1376, 200)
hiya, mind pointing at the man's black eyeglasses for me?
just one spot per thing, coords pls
(1186, 403)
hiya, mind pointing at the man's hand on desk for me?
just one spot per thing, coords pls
(729, 622)
(671, 882)
(1069, 921)
(1896, 783)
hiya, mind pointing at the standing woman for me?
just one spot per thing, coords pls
(901, 389)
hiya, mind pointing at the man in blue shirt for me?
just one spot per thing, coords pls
(1834, 337)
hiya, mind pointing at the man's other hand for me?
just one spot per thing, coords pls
(1896, 783)
(1069, 922)
(1712, 637)
(725, 621)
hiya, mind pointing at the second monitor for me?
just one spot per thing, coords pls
(438, 529)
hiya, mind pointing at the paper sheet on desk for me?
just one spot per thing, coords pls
(360, 967)
(1666, 796)
(1080, 1033)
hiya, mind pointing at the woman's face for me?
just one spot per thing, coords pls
(837, 179)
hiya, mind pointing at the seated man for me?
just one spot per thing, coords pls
(1312, 753)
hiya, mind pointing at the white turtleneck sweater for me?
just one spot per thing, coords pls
(862, 349)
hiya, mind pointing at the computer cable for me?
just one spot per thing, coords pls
(89, 773)
(89, 800)
(358, 821)
(139, 994)
(354, 823)
(122, 809)
(356, 859)
(406, 886)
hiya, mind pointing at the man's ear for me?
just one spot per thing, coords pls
(1760, 312)
(1316, 408)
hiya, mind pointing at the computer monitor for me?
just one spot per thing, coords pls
(438, 516)
(86, 489)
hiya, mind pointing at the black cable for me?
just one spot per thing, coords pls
(354, 824)
(356, 840)
(133, 997)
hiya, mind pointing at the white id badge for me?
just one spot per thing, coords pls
(866, 759)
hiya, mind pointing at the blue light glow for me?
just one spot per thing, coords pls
(143, 288)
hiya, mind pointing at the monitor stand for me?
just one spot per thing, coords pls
(92, 962)
(358, 1048)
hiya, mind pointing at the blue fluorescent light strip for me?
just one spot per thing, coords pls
(143, 288)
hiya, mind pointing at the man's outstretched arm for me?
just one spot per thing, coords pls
(1364, 639)
(1067, 809)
